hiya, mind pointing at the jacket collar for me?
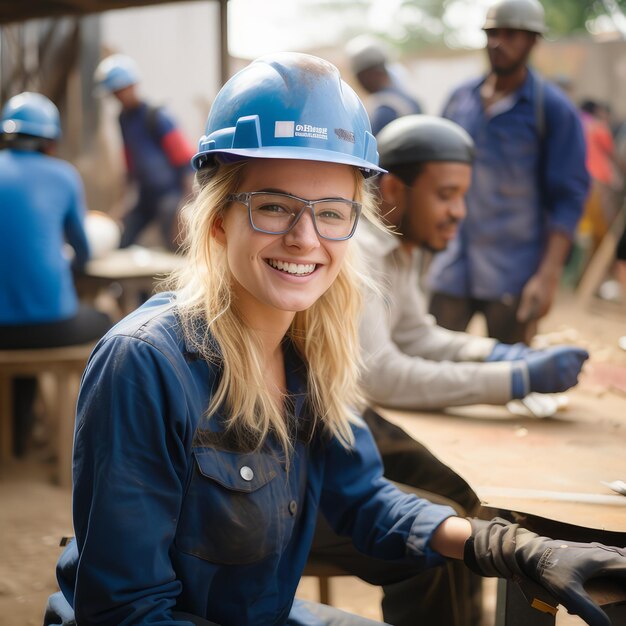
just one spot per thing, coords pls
(524, 92)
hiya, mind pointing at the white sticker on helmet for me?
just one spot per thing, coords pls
(284, 129)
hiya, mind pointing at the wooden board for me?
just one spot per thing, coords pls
(535, 466)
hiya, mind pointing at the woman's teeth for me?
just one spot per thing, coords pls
(292, 268)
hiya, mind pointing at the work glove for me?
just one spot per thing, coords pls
(499, 548)
(555, 369)
(547, 371)
(509, 352)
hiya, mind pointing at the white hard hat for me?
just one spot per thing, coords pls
(365, 52)
(519, 14)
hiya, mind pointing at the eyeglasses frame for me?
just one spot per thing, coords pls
(245, 197)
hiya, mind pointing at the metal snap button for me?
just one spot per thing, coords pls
(293, 507)
(246, 473)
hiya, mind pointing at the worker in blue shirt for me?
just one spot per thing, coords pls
(42, 209)
(217, 420)
(528, 187)
(156, 152)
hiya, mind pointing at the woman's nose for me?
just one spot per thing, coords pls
(303, 234)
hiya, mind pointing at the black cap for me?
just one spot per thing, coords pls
(421, 139)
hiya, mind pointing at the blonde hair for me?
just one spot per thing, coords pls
(325, 335)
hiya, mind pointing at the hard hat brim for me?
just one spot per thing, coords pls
(492, 24)
(34, 129)
(230, 155)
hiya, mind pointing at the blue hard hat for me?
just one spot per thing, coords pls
(289, 106)
(114, 73)
(33, 114)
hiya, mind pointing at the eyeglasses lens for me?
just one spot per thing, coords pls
(273, 213)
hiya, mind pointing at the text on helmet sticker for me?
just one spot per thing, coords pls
(291, 129)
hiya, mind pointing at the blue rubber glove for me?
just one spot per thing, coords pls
(509, 352)
(548, 371)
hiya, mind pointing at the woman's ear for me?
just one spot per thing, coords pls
(218, 232)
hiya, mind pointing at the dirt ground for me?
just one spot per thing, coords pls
(35, 514)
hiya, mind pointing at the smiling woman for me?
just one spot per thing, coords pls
(217, 421)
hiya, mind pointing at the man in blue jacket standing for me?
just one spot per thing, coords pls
(528, 187)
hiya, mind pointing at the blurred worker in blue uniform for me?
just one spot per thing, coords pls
(42, 208)
(156, 151)
(388, 98)
(528, 187)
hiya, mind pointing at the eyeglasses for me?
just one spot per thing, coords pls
(278, 213)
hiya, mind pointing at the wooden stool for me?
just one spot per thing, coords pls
(323, 571)
(66, 365)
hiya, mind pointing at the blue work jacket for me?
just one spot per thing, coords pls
(389, 103)
(170, 516)
(41, 208)
(157, 169)
(529, 179)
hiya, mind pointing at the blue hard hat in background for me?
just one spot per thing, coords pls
(115, 72)
(33, 114)
(289, 106)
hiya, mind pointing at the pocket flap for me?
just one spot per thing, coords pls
(236, 471)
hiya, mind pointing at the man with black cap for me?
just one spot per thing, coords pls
(410, 362)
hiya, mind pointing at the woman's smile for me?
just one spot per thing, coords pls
(293, 268)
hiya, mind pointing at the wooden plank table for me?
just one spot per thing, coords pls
(548, 473)
(550, 467)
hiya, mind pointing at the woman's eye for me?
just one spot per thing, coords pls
(274, 208)
(328, 214)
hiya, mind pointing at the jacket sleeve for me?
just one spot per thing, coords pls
(452, 103)
(565, 180)
(410, 362)
(382, 521)
(174, 144)
(129, 473)
(74, 225)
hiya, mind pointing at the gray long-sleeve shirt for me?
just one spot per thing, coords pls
(410, 362)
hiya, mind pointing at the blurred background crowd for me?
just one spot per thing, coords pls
(184, 51)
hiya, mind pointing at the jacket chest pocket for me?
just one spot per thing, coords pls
(232, 511)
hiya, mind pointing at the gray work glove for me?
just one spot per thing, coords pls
(499, 548)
